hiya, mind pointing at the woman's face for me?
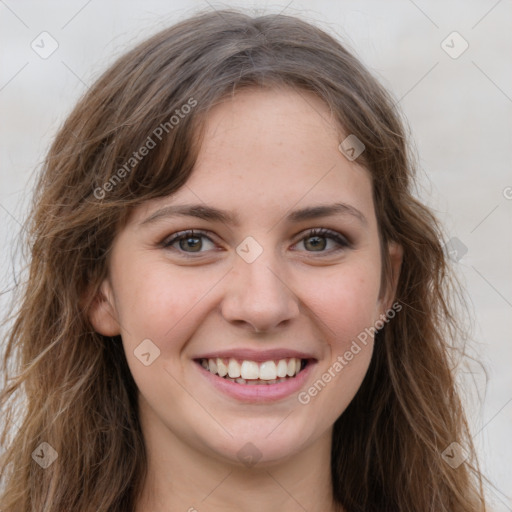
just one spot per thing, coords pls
(252, 289)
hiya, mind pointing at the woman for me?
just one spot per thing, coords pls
(234, 300)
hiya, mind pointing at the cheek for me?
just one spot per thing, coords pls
(346, 305)
(159, 302)
(165, 306)
(345, 300)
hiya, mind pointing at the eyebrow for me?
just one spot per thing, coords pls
(210, 213)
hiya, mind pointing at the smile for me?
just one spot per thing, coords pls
(265, 381)
(254, 373)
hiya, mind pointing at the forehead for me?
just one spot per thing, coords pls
(284, 122)
(273, 149)
(280, 141)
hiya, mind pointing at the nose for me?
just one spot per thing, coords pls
(258, 296)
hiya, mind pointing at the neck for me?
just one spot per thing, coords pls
(181, 477)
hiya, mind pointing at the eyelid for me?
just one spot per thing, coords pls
(327, 233)
(186, 233)
(341, 241)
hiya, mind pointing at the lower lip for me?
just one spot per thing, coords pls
(259, 392)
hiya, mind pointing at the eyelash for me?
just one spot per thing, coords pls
(319, 232)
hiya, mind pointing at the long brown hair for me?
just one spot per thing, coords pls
(71, 387)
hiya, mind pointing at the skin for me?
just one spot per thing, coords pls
(265, 153)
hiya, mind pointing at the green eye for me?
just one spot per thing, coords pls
(319, 243)
(190, 239)
(320, 237)
(194, 243)
(316, 240)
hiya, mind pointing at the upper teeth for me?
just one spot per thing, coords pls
(267, 370)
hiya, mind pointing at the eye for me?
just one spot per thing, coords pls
(317, 240)
(188, 241)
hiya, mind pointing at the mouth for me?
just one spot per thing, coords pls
(253, 373)
(256, 376)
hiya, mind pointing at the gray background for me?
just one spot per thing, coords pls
(458, 109)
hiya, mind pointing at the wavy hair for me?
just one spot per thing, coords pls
(71, 387)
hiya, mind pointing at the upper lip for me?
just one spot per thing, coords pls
(256, 355)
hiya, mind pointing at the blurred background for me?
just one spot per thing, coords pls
(447, 64)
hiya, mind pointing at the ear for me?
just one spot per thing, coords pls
(102, 313)
(395, 251)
